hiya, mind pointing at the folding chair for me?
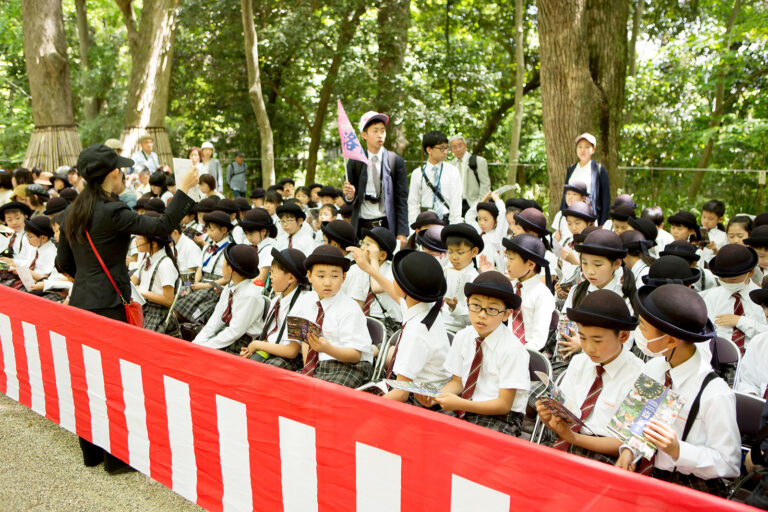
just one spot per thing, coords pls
(538, 363)
(381, 360)
(376, 330)
(749, 409)
(726, 357)
(538, 421)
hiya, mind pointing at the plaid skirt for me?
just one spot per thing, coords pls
(510, 423)
(714, 486)
(197, 306)
(589, 454)
(154, 320)
(346, 374)
(293, 365)
(55, 295)
(242, 342)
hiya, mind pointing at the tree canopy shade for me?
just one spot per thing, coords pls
(642, 76)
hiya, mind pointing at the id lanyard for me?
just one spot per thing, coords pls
(217, 251)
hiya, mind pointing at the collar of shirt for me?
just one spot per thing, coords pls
(612, 284)
(690, 368)
(528, 283)
(500, 335)
(372, 154)
(267, 242)
(409, 313)
(286, 299)
(328, 302)
(615, 367)
(236, 287)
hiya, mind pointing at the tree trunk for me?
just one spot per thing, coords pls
(394, 17)
(256, 97)
(151, 57)
(637, 19)
(346, 32)
(719, 108)
(517, 123)
(54, 141)
(84, 39)
(582, 85)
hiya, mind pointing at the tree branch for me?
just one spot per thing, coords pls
(129, 17)
(291, 102)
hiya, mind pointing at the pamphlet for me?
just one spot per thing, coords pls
(136, 295)
(181, 166)
(298, 328)
(506, 188)
(414, 387)
(26, 277)
(647, 400)
(553, 399)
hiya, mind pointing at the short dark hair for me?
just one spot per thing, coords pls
(458, 240)
(432, 139)
(744, 220)
(273, 197)
(208, 180)
(653, 213)
(715, 206)
(313, 186)
(59, 218)
(304, 190)
(274, 188)
(5, 180)
(373, 123)
(334, 210)
(170, 180)
(279, 264)
(291, 200)
(23, 176)
(525, 259)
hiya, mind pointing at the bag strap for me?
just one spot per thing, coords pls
(104, 267)
(473, 166)
(433, 188)
(695, 406)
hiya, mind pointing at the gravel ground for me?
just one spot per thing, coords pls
(41, 469)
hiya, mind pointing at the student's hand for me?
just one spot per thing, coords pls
(484, 263)
(9, 261)
(38, 287)
(448, 401)
(570, 344)
(189, 181)
(373, 256)
(567, 255)
(199, 286)
(712, 247)
(557, 236)
(250, 349)
(426, 401)
(625, 460)
(361, 258)
(495, 197)
(663, 437)
(543, 412)
(451, 303)
(561, 427)
(748, 464)
(349, 191)
(403, 240)
(727, 320)
(486, 197)
(317, 343)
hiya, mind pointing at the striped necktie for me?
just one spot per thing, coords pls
(518, 328)
(586, 407)
(34, 261)
(226, 317)
(474, 373)
(312, 355)
(738, 335)
(394, 353)
(368, 302)
(275, 313)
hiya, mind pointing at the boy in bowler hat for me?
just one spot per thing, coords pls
(463, 245)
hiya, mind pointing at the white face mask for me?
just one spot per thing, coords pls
(642, 342)
(733, 287)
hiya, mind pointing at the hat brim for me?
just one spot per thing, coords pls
(581, 316)
(599, 250)
(759, 296)
(299, 273)
(432, 222)
(463, 231)
(660, 281)
(506, 295)
(29, 226)
(15, 205)
(254, 226)
(298, 213)
(428, 243)
(665, 326)
(331, 236)
(409, 288)
(384, 118)
(325, 259)
(687, 256)
(581, 215)
(568, 187)
(57, 210)
(123, 162)
(734, 271)
(510, 245)
(207, 219)
(390, 249)
(526, 224)
(756, 241)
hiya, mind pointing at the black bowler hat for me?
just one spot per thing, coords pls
(489, 207)
(761, 219)
(258, 193)
(15, 205)
(258, 219)
(431, 239)
(218, 218)
(141, 203)
(341, 232)
(624, 199)
(494, 284)
(465, 231)
(577, 186)
(671, 270)
(531, 248)
(635, 241)
(384, 238)
(227, 206)
(578, 238)
(760, 296)
(661, 307)
(55, 205)
(155, 204)
(242, 204)
(687, 219)
(98, 160)
(426, 219)
(244, 259)
(646, 227)
(522, 203)
(162, 240)
(328, 191)
(293, 261)
(39, 225)
(534, 220)
(603, 308)
(291, 209)
(733, 260)
(69, 194)
(581, 210)
(681, 248)
(419, 275)
(602, 242)
(622, 212)
(206, 205)
(327, 254)
(757, 238)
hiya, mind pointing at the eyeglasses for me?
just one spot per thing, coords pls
(490, 311)
(457, 253)
(285, 221)
(442, 148)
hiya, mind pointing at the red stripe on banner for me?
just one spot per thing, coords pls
(22, 371)
(49, 377)
(205, 430)
(157, 425)
(79, 388)
(264, 448)
(113, 390)
(3, 378)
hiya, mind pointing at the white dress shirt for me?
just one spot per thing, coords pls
(265, 252)
(303, 241)
(720, 301)
(421, 352)
(247, 316)
(46, 258)
(538, 305)
(720, 239)
(238, 235)
(282, 315)
(583, 174)
(492, 247)
(618, 379)
(640, 269)
(504, 366)
(559, 223)
(369, 210)
(188, 254)
(713, 446)
(568, 272)
(213, 262)
(23, 252)
(149, 161)
(447, 180)
(457, 319)
(344, 324)
(752, 374)
(362, 286)
(663, 238)
(166, 273)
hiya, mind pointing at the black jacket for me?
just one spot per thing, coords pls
(395, 201)
(111, 228)
(600, 191)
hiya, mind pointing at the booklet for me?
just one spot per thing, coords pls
(25, 275)
(298, 328)
(414, 387)
(647, 400)
(553, 399)
(181, 167)
(506, 188)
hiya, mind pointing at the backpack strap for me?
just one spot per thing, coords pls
(473, 166)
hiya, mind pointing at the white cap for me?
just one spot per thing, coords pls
(370, 116)
(206, 144)
(587, 137)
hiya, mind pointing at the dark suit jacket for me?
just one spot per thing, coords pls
(111, 228)
(394, 193)
(600, 191)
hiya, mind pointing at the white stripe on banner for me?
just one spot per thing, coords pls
(97, 399)
(63, 381)
(135, 416)
(9, 358)
(33, 367)
(298, 466)
(468, 496)
(235, 460)
(183, 465)
(378, 479)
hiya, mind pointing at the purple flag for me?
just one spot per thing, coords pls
(350, 145)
